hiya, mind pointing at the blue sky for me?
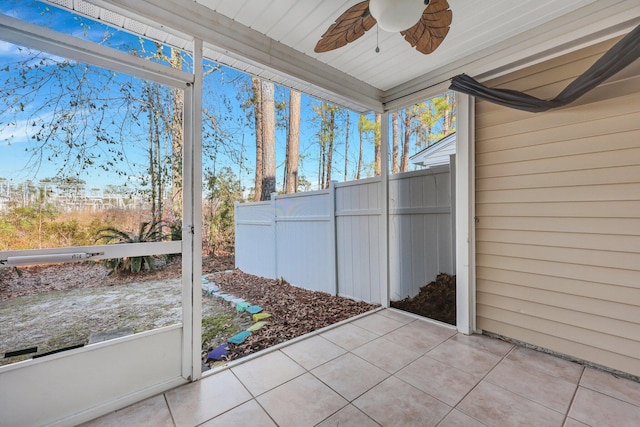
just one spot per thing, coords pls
(223, 95)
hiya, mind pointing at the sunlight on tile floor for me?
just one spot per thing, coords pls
(391, 369)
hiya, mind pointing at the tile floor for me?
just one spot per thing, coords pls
(391, 369)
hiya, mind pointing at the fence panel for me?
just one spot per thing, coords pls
(420, 229)
(305, 253)
(331, 240)
(359, 246)
(256, 238)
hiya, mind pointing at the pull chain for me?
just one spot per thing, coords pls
(377, 44)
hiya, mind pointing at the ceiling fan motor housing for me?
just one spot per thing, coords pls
(397, 15)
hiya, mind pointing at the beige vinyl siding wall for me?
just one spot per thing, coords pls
(558, 207)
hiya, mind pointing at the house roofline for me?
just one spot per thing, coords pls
(435, 146)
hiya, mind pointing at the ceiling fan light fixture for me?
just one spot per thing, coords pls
(396, 15)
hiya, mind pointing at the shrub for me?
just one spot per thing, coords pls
(148, 232)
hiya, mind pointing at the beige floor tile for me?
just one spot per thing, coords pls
(249, 413)
(570, 422)
(441, 381)
(396, 403)
(349, 336)
(547, 363)
(313, 351)
(349, 375)
(378, 324)
(553, 392)
(418, 337)
(483, 342)
(606, 383)
(440, 329)
(303, 401)
(202, 400)
(459, 419)
(349, 416)
(153, 411)
(464, 357)
(495, 406)
(386, 355)
(266, 372)
(396, 315)
(597, 409)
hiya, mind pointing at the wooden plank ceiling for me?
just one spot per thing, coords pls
(484, 37)
(476, 25)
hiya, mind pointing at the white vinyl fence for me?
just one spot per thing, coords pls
(290, 237)
(421, 224)
(332, 240)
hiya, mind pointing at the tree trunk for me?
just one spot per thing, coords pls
(323, 164)
(377, 143)
(394, 141)
(177, 139)
(332, 133)
(152, 174)
(361, 132)
(293, 142)
(269, 141)
(448, 114)
(321, 110)
(159, 165)
(404, 166)
(256, 87)
(346, 148)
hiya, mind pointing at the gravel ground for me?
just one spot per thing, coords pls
(59, 306)
(60, 319)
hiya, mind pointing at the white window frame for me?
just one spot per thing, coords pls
(46, 40)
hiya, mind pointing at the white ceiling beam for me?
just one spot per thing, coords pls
(248, 45)
(43, 39)
(588, 25)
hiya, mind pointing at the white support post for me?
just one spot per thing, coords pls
(187, 237)
(465, 216)
(196, 121)
(452, 196)
(384, 200)
(235, 230)
(274, 200)
(334, 238)
(192, 222)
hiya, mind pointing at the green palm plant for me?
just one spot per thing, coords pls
(148, 232)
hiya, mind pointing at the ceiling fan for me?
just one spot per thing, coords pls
(423, 23)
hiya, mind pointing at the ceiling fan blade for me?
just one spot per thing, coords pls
(432, 28)
(350, 26)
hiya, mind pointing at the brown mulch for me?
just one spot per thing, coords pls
(295, 311)
(437, 300)
(56, 277)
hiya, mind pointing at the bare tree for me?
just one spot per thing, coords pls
(268, 141)
(331, 135)
(177, 139)
(326, 114)
(407, 122)
(450, 114)
(293, 142)
(346, 146)
(394, 142)
(256, 88)
(365, 126)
